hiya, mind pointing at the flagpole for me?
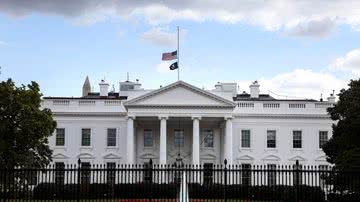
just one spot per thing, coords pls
(178, 69)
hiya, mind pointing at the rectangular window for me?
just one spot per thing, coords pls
(298, 175)
(323, 138)
(148, 138)
(246, 174)
(208, 138)
(111, 137)
(32, 177)
(85, 172)
(272, 174)
(179, 138)
(208, 173)
(85, 136)
(245, 138)
(323, 175)
(271, 138)
(59, 173)
(147, 173)
(110, 172)
(60, 137)
(297, 139)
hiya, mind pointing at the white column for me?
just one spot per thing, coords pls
(196, 141)
(130, 140)
(163, 139)
(228, 140)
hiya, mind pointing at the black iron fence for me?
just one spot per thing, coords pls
(205, 182)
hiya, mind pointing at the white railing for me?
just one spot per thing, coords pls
(323, 105)
(61, 102)
(86, 102)
(245, 104)
(297, 105)
(112, 102)
(271, 105)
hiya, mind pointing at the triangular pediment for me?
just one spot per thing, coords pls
(60, 156)
(297, 158)
(111, 156)
(179, 94)
(271, 158)
(245, 158)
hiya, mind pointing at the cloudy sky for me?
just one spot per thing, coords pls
(294, 48)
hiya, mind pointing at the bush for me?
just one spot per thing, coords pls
(163, 191)
(353, 197)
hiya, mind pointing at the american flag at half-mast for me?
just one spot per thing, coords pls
(169, 56)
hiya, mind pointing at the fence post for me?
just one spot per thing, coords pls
(78, 181)
(225, 180)
(297, 174)
(150, 172)
(5, 189)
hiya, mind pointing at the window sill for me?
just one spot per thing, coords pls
(245, 149)
(297, 149)
(86, 147)
(111, 147)
(271, 150)
(208, 148)
(60, 147)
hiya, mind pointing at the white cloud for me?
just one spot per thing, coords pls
(315, 28)
(300, 83)
(158, 36)
(2, 43)
(349, 62)
(301, 18)
(163, 67)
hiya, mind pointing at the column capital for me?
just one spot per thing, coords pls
(228, 117)
(131, 116)
(163, 117)
(196, 117)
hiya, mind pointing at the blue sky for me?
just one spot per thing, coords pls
(299, 50)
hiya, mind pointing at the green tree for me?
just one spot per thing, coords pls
(24, 127)
(343, 148)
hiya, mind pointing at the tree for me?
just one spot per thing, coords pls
(343, 149)
(24, 127)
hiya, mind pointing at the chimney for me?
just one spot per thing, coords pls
(254, 90)
(104, 88)
(332, 97)
(86, 87)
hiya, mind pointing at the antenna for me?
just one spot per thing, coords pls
(127, 78)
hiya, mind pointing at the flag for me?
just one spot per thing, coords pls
(169, 56)
(174, 66)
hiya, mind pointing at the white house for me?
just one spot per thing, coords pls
(134, 125)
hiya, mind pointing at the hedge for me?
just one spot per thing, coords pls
(196, 191)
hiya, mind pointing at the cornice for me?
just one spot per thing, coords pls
(132, 102)
(91, 114)
(288, 116)
(180, 106)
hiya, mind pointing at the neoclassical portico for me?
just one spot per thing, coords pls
(165, 110)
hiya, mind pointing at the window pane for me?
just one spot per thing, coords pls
(271, 139)
(272, 174)
(208, 173)
(208, 138)
(85, 172)
(111, 137)
(245, 138)
(148, 138)
(59, 172)
(179, 138)
(246, 174)
(297, 139)
(323, 138)
(60, 137)
(85, 136)
(110, 172)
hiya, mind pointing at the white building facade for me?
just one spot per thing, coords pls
(181, 121)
